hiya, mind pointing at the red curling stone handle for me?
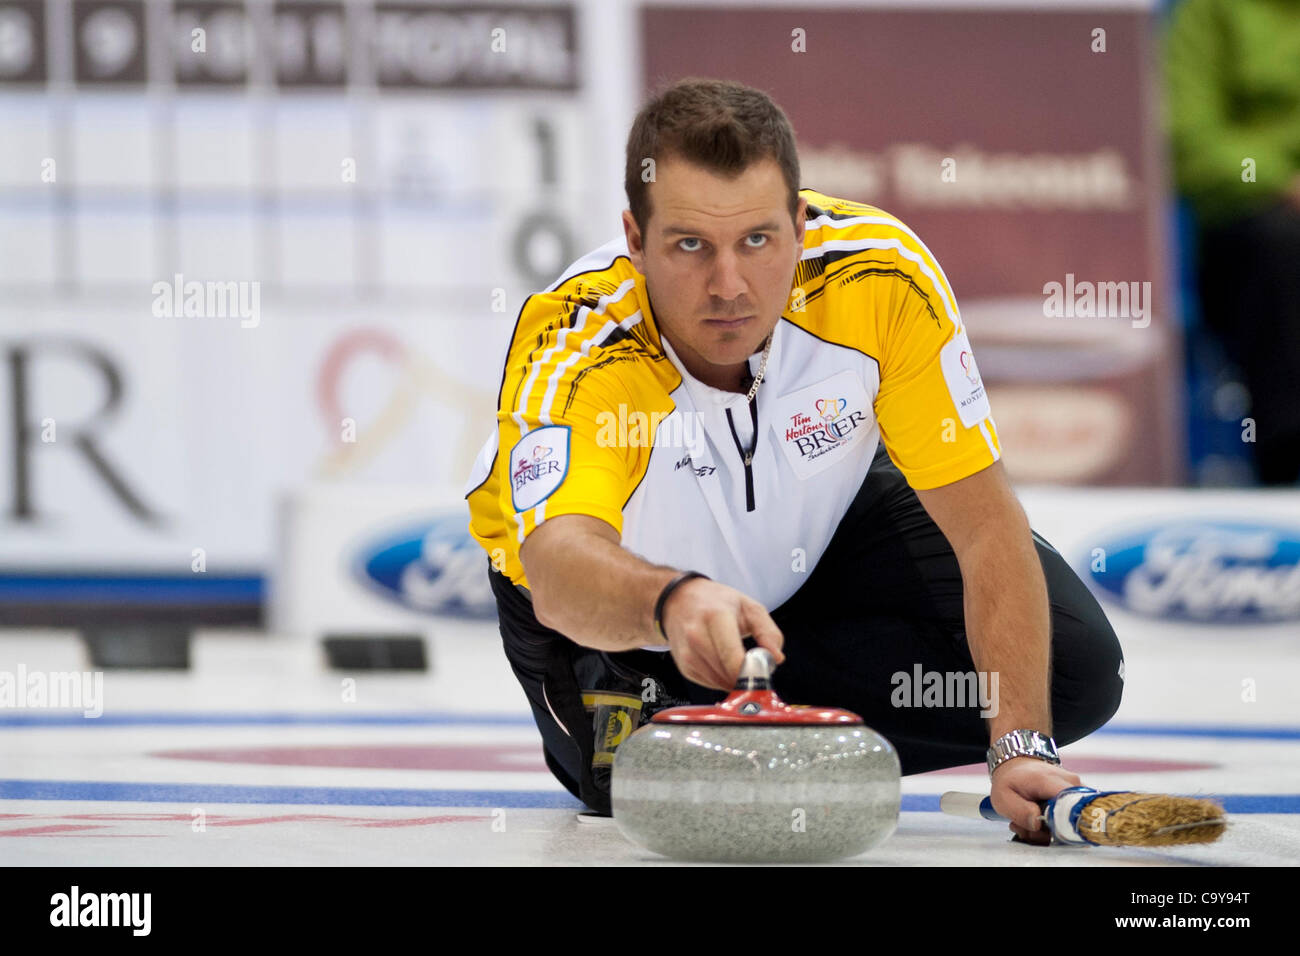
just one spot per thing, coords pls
(754, 702)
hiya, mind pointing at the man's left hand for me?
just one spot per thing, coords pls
(1018, 785)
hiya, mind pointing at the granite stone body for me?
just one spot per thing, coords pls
(731, 792)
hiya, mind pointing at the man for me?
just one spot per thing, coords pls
(709, 394)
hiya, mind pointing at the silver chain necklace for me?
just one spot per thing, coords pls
(762, 367)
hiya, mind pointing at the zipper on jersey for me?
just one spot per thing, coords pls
(747, 456)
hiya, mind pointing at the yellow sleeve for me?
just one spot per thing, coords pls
(560, 454)
(933, 412)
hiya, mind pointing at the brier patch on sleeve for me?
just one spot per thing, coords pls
(539, 463)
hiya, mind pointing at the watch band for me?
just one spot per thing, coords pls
(1022, 743)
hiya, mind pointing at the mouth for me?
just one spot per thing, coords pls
(728, 324)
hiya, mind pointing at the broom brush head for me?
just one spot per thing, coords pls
(1149, 819)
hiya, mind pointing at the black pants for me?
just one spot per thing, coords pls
(1250, 295)
(885, 596)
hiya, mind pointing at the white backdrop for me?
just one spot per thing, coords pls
(381, 226)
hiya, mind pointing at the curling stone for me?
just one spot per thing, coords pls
(755, 780)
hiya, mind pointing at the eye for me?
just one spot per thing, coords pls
(688, 239)
(762, 240)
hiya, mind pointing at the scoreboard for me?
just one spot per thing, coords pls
(317, 145)
(388, 180)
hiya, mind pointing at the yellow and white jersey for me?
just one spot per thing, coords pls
(597, 416)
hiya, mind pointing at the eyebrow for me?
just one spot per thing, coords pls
(770, 225)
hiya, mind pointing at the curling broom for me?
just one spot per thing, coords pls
(1083, 816)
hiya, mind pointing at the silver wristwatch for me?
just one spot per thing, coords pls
(1022, 743)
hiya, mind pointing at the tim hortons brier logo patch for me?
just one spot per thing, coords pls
(538, 463)
(816, 425)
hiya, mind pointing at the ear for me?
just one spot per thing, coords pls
(800, 221)
(636, 250)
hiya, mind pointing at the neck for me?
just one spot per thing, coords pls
(728, 378)
(735, 379)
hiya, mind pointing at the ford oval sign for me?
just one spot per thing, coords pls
(1207, 571)
(432, 566)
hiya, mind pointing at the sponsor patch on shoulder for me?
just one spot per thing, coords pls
(538, 463)
(962, 376)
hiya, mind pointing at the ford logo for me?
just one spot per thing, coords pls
(1206, 571)
(433, 566)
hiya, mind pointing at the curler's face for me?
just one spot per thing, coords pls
(718, 254)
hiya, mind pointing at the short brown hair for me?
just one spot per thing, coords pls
(719, 124)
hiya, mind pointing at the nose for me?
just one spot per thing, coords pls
(726, 282)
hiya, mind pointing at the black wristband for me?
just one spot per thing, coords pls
(663, 597)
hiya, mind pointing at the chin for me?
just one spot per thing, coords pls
(730, 347)
(732, 353)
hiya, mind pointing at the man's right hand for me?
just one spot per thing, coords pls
(585, 585)
(706, 622)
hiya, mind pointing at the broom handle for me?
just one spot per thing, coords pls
(974, 805)
(1056, 811)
